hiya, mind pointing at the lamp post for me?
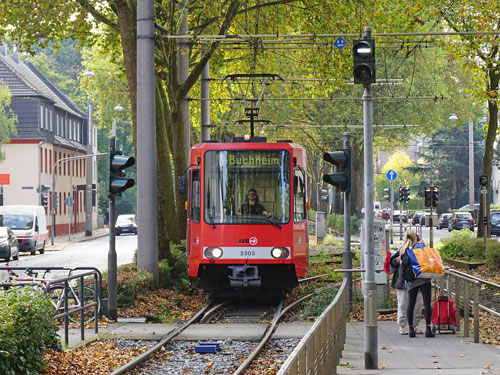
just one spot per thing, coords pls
(112, 258)
(90, 162)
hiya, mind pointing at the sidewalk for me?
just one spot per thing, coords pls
(60, 242)
(446, 354)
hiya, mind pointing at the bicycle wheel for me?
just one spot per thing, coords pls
(88, 296)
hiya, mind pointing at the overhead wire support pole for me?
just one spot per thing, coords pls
(347, 256)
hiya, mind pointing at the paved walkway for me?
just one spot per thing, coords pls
(62, 241)
(397, 354)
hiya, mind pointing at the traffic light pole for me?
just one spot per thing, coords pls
(347, 256)
(431, 233)
(391, 200)
(112, 258)
(370, 290)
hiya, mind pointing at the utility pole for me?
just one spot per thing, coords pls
(205, 102)
(147, 222)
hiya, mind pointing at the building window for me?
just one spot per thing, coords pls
(60, 203)
(50, 161)
(41, 159)
(46, 169)
(50, 120)
(41, 116)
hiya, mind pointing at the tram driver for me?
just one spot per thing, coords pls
(252, 205)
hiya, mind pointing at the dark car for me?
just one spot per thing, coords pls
(422, 220)
(495, 223)
(125, 224)
(443, 221)
(397, 214)
(416, 217)
(461, 220)
(9, 246)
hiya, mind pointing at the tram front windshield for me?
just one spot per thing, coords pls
(247, 187)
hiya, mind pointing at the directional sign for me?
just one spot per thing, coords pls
(69, 201)
(340, 43)
(391, 175)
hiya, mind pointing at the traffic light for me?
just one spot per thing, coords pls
(388, 196)
(483, 180)
(43, 200)
(118, 181)
(406, 195)
(435, 196)
(324, 195)
(363, 52)
(401, 193)
(55, 200)
(342, 177)
(427, 196)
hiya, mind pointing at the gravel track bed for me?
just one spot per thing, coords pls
(180, 358)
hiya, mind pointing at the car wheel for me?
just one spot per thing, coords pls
(449, 229)
(7, 258)
(42, 250)
(33, 252)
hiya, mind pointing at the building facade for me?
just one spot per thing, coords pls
(49, 149)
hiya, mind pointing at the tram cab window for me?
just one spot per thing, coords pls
(230, 174)
(299, 194)
(195, 196)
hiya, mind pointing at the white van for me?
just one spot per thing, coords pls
(29, 224)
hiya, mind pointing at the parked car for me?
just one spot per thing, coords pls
(466, 207)
(397, 214)
(416, 217)
(9, 246)
(495, 223)
(461, 220)
(443, 221)
(125, 224)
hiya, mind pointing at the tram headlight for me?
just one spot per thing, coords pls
(280, 252)
(213, 252)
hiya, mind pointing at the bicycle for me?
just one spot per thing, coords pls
(56, 292)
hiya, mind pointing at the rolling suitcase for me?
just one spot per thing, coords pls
(444, 315)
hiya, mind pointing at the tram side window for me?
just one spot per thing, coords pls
(299, 194)
(195, 196)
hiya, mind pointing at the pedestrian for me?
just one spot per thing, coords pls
(106, 218)
(423, 285)
(399, 285)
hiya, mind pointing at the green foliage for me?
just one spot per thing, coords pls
(175, 275)
(493, 252)
(463, 245)
(8, 119)
(27, 330)
(336, 221)
(319, 302)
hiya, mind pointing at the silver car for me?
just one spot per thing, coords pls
(9, 246)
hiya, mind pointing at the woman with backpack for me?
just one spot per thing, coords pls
(422, 284)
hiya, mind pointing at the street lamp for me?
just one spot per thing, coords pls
(117, 108)
(90, 162)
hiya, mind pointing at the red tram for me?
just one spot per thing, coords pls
(247, 216)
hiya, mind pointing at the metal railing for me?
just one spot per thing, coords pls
(461, 288)
(79, 304)
(320, 349)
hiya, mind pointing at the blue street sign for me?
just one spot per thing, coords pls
(69, 201)
(340, 43)
(391, 175)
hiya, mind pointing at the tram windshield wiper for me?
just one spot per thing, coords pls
(269, 220)
(212, 220)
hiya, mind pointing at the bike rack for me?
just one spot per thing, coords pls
(91, 271)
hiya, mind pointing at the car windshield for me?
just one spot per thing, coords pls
(125, 220)
(236, 181)
(495, 218)
(464, 216)
(16, 221)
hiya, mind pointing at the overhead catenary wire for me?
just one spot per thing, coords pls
(397, 98)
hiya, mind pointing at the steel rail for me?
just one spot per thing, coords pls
(141, 358)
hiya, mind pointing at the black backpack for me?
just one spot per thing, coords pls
(408, 272)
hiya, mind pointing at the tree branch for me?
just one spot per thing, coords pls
(97, 15)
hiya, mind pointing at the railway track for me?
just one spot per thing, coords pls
(233, 314)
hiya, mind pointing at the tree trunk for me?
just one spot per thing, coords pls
(494, 78)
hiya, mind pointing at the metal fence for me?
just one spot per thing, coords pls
(320, 349)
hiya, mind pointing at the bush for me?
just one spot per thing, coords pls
(336, 221)
(493, 252)
(319, 302)
(27, 330)
(175, 275)
(463, 245)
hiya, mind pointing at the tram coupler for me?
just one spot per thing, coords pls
(245, 276)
